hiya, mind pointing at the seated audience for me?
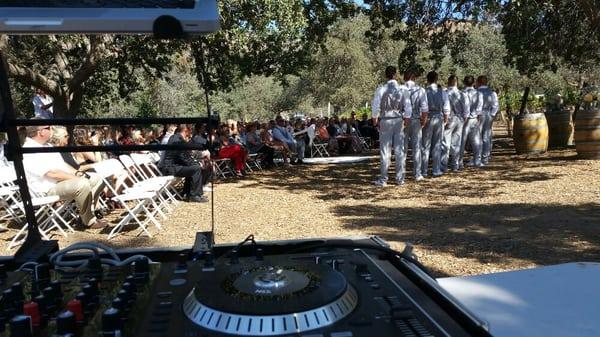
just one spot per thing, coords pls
(255, 145)
(181, 163)
(281, 134)
(229, 149)
(48, 173)
(301, 137)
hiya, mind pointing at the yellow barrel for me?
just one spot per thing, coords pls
(587, 133)
(560, 128)
(530, 133)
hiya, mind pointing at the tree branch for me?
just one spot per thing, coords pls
(75, 103)
(29, 77)
(89, 64)
(60, 58)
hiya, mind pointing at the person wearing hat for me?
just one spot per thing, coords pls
(390, 111)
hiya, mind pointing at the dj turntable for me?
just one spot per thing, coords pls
(336, 288)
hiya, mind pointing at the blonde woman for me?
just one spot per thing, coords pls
(82, 138)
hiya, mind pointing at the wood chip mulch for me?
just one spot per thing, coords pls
(518, 212)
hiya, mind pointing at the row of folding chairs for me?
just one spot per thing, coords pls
(146, 196)
(223, 169)
(50, 212)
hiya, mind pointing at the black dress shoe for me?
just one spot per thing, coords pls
(198, 198)
(99, 214)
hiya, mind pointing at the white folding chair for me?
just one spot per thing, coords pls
(47, 216)
(253, 162)
(144, 202)
(316, 148)
(222, 167)
(145, 176)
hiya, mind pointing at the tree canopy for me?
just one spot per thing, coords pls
(289, 55)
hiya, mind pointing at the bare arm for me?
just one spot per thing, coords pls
(60, 175)
(92, 156)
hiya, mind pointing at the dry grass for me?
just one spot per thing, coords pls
(518, 212)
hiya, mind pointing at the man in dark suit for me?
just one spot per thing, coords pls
(180, 163)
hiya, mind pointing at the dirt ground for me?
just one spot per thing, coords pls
(518, 212)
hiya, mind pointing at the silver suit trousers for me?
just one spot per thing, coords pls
(451, 142)
(432, 145)
(486, 137)
(391, 135)
(471, 134)
(413, 140)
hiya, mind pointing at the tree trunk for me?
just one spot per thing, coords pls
(61, 105)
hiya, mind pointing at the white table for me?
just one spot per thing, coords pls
(561, 300)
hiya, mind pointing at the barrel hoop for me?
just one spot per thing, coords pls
(586, 127)
(533, 127)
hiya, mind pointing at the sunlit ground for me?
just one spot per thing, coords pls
(517, 212)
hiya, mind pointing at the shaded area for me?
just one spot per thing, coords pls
(542, 234)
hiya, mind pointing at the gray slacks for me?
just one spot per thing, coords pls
(413, 140)
(486, 137)
(451, 142)
(391, 134)
(471, 134)
(432, 144)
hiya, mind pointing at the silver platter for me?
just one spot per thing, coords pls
(273, 325)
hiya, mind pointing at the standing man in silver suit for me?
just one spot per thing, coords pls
(439, 110)
(391, 110)
(472, 129)
(420, 109)
(454, 128)
(489, 110)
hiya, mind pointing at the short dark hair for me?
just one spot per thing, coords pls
(390, 72)
(432, 77)
(410, 73)
(452, 80)
(469, 80)
(482, 80)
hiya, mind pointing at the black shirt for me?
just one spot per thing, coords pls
(177, 157)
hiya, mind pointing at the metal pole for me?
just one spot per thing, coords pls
(199, 60)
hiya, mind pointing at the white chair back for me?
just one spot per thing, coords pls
(311, 131)
(107, 168)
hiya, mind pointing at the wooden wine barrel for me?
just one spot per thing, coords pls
(530, 133)
(560, 128)
(587, 133)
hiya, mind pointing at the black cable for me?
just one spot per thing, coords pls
(249, 238)
(351, 244)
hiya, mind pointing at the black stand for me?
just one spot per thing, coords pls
(34, 248)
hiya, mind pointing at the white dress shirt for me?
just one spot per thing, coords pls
(38, 164)
(401, 106)
(418, 98)
(490, 101)
(445, 104)
(38, 102)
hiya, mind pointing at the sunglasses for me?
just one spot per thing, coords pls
(45, 128)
